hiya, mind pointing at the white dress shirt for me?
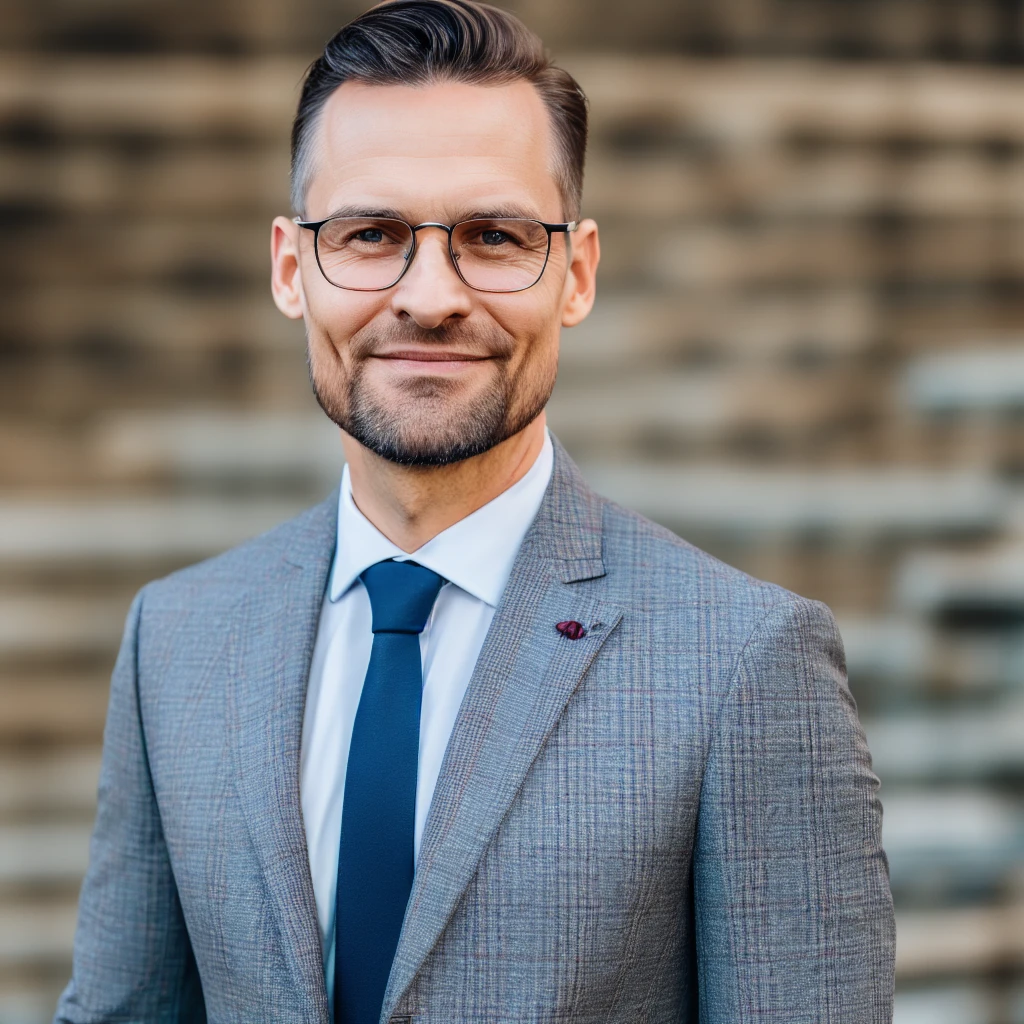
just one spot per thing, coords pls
(475, 556)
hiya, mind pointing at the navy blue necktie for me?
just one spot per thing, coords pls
(375, 858)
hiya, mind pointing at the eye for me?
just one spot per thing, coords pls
(494, 237)
(370, 235)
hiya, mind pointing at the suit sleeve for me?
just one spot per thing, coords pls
(793, 912)
(132, 958)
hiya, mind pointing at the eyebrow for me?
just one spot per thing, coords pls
(502, 212)
(365, 211)
(506, 211)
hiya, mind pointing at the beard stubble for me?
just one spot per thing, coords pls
(431, 421)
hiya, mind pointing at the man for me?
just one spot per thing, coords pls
(466, 742)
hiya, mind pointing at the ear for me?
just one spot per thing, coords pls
(581, 281)
(286, 274)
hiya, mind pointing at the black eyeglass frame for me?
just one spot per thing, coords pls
(316, 225)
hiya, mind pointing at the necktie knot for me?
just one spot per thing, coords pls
(401, 595)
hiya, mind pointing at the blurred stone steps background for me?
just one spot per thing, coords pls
(807, 356)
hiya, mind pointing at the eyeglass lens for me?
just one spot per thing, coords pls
(370, 253)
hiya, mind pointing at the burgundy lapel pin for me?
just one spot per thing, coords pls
(571, 629)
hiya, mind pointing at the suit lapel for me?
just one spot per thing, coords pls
(272, 649)
(526, 673)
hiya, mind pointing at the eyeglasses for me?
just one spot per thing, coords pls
(495, 254)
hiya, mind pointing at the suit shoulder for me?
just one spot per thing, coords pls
(259, 558)
(657, 559)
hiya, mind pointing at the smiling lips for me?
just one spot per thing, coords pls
(440, 359)
(431, 355)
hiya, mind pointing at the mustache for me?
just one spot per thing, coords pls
(470, 339)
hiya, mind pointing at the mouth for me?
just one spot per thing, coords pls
(430, 360)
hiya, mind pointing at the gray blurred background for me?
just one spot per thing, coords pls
(807, 356)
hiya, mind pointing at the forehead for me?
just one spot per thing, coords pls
(434, 152)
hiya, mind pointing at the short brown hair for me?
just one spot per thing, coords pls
(414, 42)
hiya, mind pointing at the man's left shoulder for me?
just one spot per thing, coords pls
(670, 580)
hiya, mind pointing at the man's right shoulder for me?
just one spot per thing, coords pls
(258, 561)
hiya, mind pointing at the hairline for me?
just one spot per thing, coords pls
(305, 164)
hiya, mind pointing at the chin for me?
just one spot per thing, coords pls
(431, 421)
(468, 384)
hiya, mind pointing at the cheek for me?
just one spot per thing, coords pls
(333, 318)
(536, 341)
(533, 318)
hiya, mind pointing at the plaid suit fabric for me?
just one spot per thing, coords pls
(673, 818)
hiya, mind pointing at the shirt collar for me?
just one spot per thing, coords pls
(476, 553)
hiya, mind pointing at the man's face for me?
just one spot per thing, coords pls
(429, 371)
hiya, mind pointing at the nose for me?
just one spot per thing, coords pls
(431, 291)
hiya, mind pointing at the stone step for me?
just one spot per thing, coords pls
(957, 941)
(49, 782)
(46, 853)
(950, 1003)
(951, 744)
(174, 97)
(818, 254)
(896, 658)
(856, 503)
(736, 102)
(966, 587)
(28, 1001)
(56, 625)
(149, 317)
(132, 529)
(229, 29)
(627, 329)
(951, 841)
(981, 379)
(68, 708)
(221, 446)
(188, 256)
(695, 406)
(773, 183)
(92, 179)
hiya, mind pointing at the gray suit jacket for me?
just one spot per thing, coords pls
(673, 818)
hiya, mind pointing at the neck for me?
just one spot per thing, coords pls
(412, 504)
